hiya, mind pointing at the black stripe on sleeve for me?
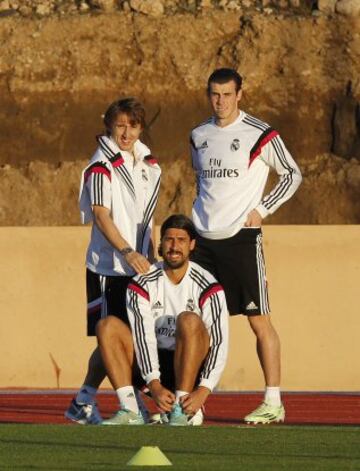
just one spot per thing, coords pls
(215, 335)
(122, 171)
(286, 180)
(150, 210)
(199, 279)
(144, 360)
(207, 289)
(254, 122)
(260, 139)
(149, 277)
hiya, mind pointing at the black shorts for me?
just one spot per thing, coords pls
(167, 371)
(105, 295)
(238, 264)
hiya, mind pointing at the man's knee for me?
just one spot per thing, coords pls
(111, 326)
(189, 323)
(261, 325)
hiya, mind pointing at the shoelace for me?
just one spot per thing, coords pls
(177, 411)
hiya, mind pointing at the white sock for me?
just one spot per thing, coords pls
(272, 395)
(127, 398)
(86, 395)
(179, 394)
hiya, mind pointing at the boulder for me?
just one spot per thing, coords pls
(104, 5)
(43, 9)
(326, 6)
(345, 126)
(4, 5)
(148, 7)
(348, 7)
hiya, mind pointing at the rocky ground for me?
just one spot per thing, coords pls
(63, 61)
(157, 8)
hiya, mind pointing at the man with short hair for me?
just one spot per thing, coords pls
(232, 153)
(118, 194)
(179, 324)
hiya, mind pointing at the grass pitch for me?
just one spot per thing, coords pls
(290, 448)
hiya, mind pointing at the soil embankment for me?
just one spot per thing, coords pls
(59, 69)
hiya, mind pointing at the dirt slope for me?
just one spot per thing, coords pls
(59, 72)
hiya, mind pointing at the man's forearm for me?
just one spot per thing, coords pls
(109, 230)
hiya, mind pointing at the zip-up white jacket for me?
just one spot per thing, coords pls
(154, 303)
(232, 166)
(130, 192)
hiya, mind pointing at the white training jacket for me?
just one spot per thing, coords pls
(130, 192)
(154, 303)
(232, 166)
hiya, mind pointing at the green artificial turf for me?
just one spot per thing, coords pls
(290, 448)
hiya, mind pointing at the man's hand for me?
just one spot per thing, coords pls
(162, 396)
(195, 400)
(253, 219)
(107, 226)
(137, 262)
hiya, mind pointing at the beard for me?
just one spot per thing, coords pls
(178, 263)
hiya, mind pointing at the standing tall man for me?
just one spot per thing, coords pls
(232, 153)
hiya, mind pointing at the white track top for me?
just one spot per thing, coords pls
(232, 166)
(154, 303)
(130, 191)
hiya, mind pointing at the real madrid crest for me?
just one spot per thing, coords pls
(235, 145)
(190, 305)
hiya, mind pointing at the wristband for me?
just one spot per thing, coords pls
(126, 251)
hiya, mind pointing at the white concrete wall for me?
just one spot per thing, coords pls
(313, 274)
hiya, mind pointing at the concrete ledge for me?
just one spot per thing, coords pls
(313, 274)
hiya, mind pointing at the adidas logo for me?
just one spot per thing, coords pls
(251, 306)
(130, 395)
(157, 305)
(204, 145)
(144, 176)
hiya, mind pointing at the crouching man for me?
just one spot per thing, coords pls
(179, 322)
